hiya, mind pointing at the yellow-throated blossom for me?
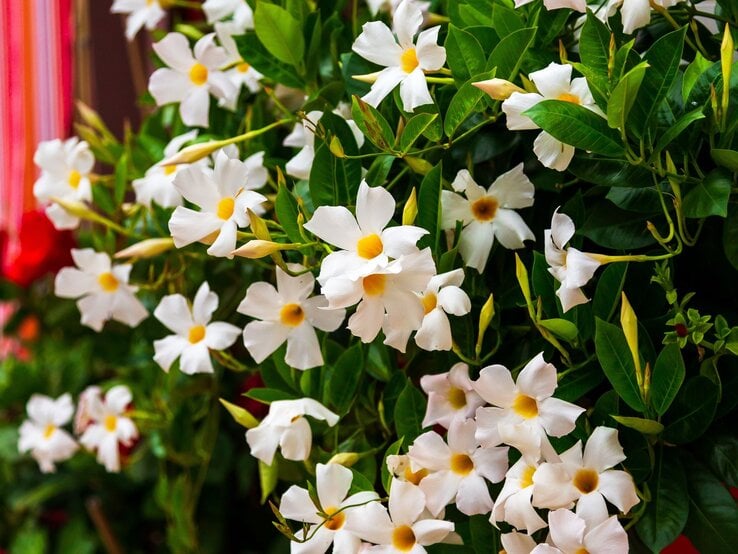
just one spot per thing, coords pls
(140, 13)
(42, 434)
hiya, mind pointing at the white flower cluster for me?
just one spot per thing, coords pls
(484, 418)
(100, 423)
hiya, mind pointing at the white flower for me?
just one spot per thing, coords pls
(388, 298)
(513, 504)
(572, 268)
(451, 396)
(288, 313)
(578, 5)
(190, 80)
(587, 478)
(303, 137)
(554, 83)
(110, 427)
(401, 469)
(223, 199)
(194, 334)
(65, 169)
(635, 13)
(240, 72)
(140, 13)
(366, 244)
(404, 529)
(82, 417)
(218, 10)
(256, 174)
(286, 427)
(158, 183)
(404, 60)
(332, 486)
(102, 289)
(41, 433)
(517, 543)
(458, 469)
(524, 412)
(708, 6)
(487, 214)
(442, 296)
(570, 534)
(375, 6)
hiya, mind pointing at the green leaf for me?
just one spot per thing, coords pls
(609, 286)
(285, 207)
(710, 196)
(240, 415)
(464, 103)
(464, 54)
(617, 363)
(712, 525)
(575, 385)
(725, 158)
(577, 126)
(260, 59)
(414, 129)
(372, 124)
(645, 426)
(429, 208)
(698, 66)
(721, 453)
(268, 476)
(409, 412)
(692, 411)
(667, 378)
(623, 95)
(609, 173)
(666, 514)
(510, 52)
(544, 285)
(121, 179)
(505, 21)
(678, 127)
(268, 396)
(730, 236)
(379, 170)
(335, 181)
(663, 58)
(562, 328)
(345, 377)
(393, 450)
(594, 51)
(280, 33)
(611, 227)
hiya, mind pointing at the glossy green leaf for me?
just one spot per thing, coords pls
(594, 51)
(576, 125)
(464, 54)
(414, 129)
(709, 196)
(611, 227)
(575, 385)
(617, 363)
(666, 378)
(464, 103)
(409, 412)
(268, 477)
(259, 58)
(623, 96)
(285, 207)
(345, 378)
(609, 286)
(510, 52)
(280, 33)
(692, 411)
(561, 328)
(372, 124)
(429, 208)
(666, 513)
(267, 395)
(721, 454)
(725, 158)
(645, 426)
(678, 128)
(712, 525)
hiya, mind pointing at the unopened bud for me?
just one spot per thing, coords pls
(146, 248)
(629, 323)
(258, 226)
(367, 77)
(77, 209)
(194, 152)
(346, 459)
(418, 165)
(499, 89)
(240, 415)
(410, 211)
(258, 248)
(337, 148)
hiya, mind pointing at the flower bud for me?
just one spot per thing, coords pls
(410, 211)
(499, 89)
(257, 248)
(146, 248)
(346, 459)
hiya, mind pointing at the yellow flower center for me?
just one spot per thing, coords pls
(291, 315)
(409, 60)
(198, 74)
(526, 479)
(569, 97)
(110, 423)
(429, 302)
(225, 207)
(403, 538)
(461, 464)
(334, 522)
(582, 551)
(485, 208)
(525, 406)
(369, 246)
(169, 169)
(196, 334)
(108, 282)
(586, 480)
(374, 284)
(457, 398)
(49, 430)
(414, 477)
(74, 178)
(243, 67)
